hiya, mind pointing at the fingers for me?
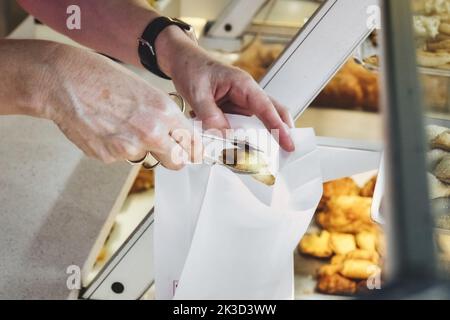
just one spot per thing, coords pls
(191, 142)
(269, 114)
(231, 108)
(272, 121)
(172, 155)
(178, 146)
(210, 114)
(284, 113)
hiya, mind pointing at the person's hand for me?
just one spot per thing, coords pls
(212, 88)
(111, 114)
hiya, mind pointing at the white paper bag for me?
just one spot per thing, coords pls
(219, 235)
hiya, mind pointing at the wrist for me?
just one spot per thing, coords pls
(38, 80)
(168, 45)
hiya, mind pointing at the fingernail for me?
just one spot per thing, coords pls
(289, 143)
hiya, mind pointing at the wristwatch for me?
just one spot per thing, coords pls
(146, 49)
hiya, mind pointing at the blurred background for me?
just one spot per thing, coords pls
(10, 16)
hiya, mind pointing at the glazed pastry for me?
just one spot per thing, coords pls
(316, 245)
(340, 187)
(366, 241)
(265, 176)
(248, 161)
(336, 284)
(353, 87)
(368, 188)
(359, 254)
(342, 243)
(347, 214)
(329, 270)
(337, 259)
(359, 269)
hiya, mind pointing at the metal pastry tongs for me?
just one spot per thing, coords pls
(238, 145)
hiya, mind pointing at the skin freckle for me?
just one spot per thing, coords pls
(105, 94)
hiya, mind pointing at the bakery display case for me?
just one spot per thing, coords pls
(375, 228)
(364, 242)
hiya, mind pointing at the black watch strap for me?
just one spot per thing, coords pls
(147, 51)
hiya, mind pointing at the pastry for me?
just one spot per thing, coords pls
(366, 241)
(329, 270)
(434, 131)
(441, 45)
(432, 59)
(347, 214)
(418, 6)
(426, 27)
(381, 245)
(258, 57)
(336, 284)
(266, 178)
(368, 188)
(440, 37)
(337, 259)
(435, 92)
(353, 87)
(359, 254)
(359, 269)
(434, 157)
(343, 92)
(340, 187)
(316, 245)
(436, 6)
(442, 170)
(143, 182)
(438, 189)
(248, 161)
(443, 242)
(342, 243)
(445, 28)
(442, 141)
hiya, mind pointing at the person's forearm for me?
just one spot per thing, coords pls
(111, 27)
(25, 76)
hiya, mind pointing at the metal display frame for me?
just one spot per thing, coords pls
(412, 263)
